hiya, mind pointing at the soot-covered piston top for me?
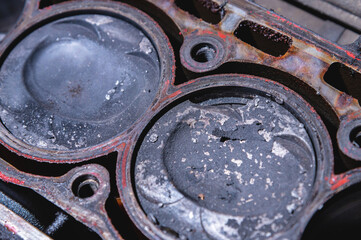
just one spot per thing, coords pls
(77, 82)
(229, 163)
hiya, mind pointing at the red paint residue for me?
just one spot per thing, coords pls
(124, 165)
(189, 82)
(164, 92)
(222, 35)
(345, 150)
(337, 181)
(166, 84)
(11, 179)
(350, 54)
(173, 95)
(206, 32)
(281, 19)
(121, 147)
(209, 32)
(115, 143)
(173, 73)
(21, 154)
(10, 228)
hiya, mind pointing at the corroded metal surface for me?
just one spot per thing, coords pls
(52, 109)
(237, 138)
(234, 162)
(89, 211)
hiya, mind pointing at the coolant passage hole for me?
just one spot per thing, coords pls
(263, 38)
(85, 186)
(203, 52)
(355, 137)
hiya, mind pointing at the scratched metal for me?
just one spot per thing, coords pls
(197, 165)
(242, 163)
(219, 51)
(63, 125)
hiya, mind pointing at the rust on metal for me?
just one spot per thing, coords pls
(228, 128)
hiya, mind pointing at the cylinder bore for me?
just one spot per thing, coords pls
(80, 80)
(228, 162)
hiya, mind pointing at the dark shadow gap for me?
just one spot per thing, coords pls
(121, 221)
(344, 79)
(42, 214)
(10, 12)
(206, 10)
(114, 208)
(339, 218)
(48, 3)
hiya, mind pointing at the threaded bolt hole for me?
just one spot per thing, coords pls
(203, 52)
(85, 186)
(355, 137)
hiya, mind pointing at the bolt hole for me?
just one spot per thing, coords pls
(85, 186)
(203, 52)
(355, 137)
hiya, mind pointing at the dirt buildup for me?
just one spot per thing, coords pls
(228, 167)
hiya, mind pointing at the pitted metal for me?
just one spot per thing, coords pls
(261, 114)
